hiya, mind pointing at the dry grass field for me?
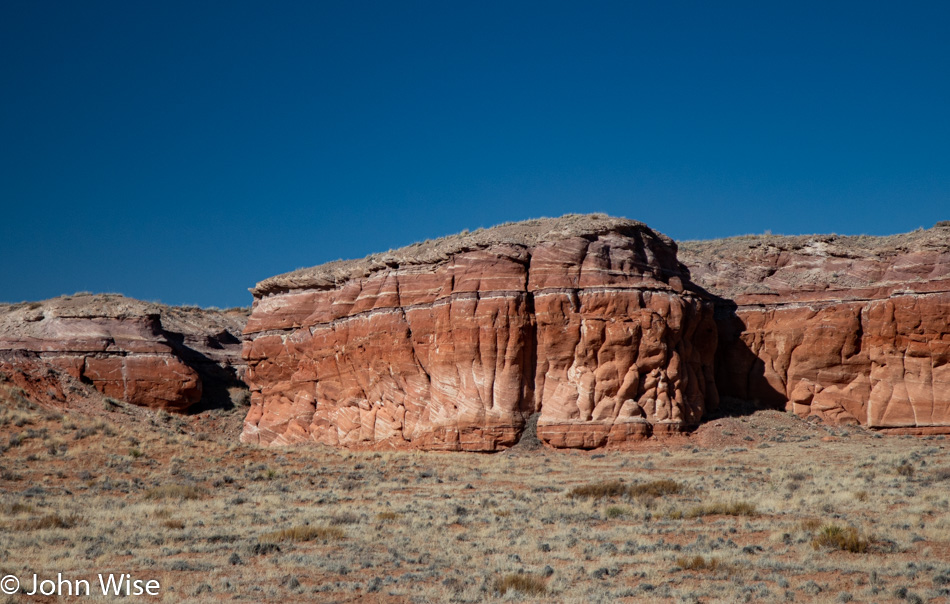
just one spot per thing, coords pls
(763, 508)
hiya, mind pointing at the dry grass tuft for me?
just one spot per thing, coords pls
(697, 563)
(47, 522)
(17, 508)
(304, 533)
(810, 525)
(616, 488)
(721, 508)
(174, 491)
(617, 511)
(847, 539)
(906, 470)
(656, 488)
(526, 584)
(599, 490)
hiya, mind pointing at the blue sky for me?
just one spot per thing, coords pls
(182, 151)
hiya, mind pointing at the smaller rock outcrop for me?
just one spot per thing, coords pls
(147, 354)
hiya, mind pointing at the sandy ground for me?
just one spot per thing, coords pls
(761, 508)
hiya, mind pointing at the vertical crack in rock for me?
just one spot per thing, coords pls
(412, 341)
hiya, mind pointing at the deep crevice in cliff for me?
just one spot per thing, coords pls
(217, 380)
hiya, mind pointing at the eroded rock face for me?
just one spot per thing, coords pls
(120, 347)
(452, 344)
(852, 329)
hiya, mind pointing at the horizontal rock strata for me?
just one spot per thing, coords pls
(852, 329)
(121, 348)
(453, 344)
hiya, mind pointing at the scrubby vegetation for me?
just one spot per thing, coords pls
(616, 488)
(844, 538)
(721, 508)
(526, 584)
(304, 533)
(697, 563)
(669, 522)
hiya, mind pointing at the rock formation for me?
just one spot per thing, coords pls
(589, 326)
(452, 344)
(146, 354)
(851, 329)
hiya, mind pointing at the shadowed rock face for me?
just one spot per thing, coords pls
(147, 354)
(453, 344)
(852, 329)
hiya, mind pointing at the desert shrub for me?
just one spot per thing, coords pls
(17, 508)
(48, 521)
(523, 583)
(697, 563)
(304, 533)
(844, 538)
(345, 518)
(810, 524)
(240, 397)
(673, 514)
(600, 490)
(174, 491)
(656, 488)
(721, 508)
(616, 511)
(616, 488)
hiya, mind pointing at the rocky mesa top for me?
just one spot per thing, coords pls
(772, 264)
(527, 233)
(28, 319)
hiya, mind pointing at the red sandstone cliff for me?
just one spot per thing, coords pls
(454, 343)
(852, 329)
(147, 354)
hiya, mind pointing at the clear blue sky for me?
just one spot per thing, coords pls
(182, 151)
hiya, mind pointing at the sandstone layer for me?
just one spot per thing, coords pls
(851, 329)
(171, 358)
(588, 321)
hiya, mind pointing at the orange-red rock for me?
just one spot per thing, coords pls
(120, 347)
(453, 344)
(852, 329)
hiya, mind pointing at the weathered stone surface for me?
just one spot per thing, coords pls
(852, 329)
(120, 347)
(452, 344)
